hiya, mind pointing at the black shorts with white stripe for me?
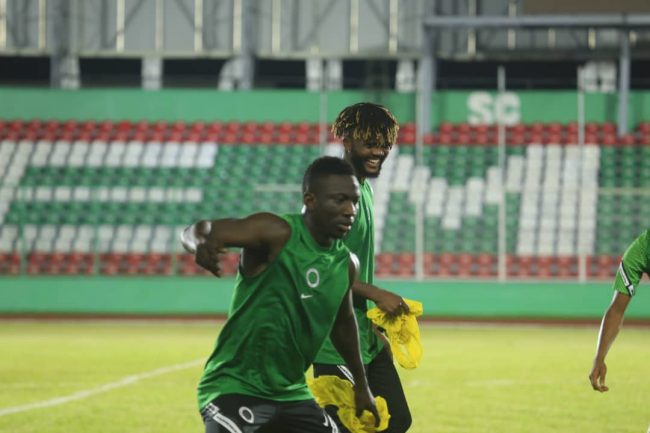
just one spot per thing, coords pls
(236, 413)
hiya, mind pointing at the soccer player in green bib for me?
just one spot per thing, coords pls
(368, 132)
(292, 291)
(635, 262)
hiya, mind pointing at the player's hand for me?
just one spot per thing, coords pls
(207, 257)
(364, 400)
(390, 303)
(597, 376)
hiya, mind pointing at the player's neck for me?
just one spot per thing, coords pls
(359, 177)
(320, 238)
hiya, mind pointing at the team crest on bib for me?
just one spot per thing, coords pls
(312, 277)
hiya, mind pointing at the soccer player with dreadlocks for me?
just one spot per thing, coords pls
(368, 132)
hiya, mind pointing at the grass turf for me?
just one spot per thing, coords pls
(513, 379)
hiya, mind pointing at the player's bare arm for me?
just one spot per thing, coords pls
(611, 324)
(387, 301)
(345, 338)
(261, 236)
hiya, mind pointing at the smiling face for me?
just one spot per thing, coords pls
(368, 132)
(366, 157)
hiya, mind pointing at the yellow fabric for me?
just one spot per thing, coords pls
(403, 333)
(334, 391)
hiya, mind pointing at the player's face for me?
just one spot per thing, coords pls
(366, 157)
(334, 205)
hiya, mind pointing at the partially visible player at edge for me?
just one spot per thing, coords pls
(368, 132)
(292, 290)
(635, 262)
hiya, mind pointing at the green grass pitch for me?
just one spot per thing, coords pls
(105, 377)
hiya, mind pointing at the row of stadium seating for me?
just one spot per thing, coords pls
(387, 265)
(117, 206)
(307, 133)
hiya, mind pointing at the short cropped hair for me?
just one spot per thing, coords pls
(325, 166)
(366, 122)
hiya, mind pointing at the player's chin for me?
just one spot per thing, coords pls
(340, 231)
(372, 172)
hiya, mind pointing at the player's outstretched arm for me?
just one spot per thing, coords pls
(261, 234)
(609, 327)
(387, 301)
(345, 338)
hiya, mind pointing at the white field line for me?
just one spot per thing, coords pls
(80, 395)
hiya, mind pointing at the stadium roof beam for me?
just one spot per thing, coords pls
(610, 21)
(622, 22)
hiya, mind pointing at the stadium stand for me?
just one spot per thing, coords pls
(110, 197)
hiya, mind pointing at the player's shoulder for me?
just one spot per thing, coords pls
(645, 235)
(354, 267)
(368, 186)
(354, 260)
(273, 226)
(643, 241)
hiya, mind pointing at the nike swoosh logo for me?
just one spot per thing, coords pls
(303, 296)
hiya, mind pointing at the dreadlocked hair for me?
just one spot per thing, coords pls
(366, 122)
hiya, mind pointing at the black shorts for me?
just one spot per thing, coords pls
(236, 413)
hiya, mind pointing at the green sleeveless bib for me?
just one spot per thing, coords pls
(277, 321)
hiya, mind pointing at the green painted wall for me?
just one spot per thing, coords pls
(186, 105)
(202, 295)
(295, 105)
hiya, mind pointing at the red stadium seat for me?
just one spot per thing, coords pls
(643, 127)
(486, 265)
(15, 125)
(608, 139)
(178, 127)
(9, 263)
(229, 138)
(608, 128)
(405, 263)
(567, 266)
(627, 140)
(445, 127)
(430, 138)
(406, 137)
(447, 265)
(644, 139)
(266, 127)
(124, 126)
(248, 128)
(232, 127)
(216, 127)
(266, 138)
(554, 128)
(35, 125)
(545, 267)
(248, 138)
(283, 138)
(465, 264)
(110, 263)
(284, 127)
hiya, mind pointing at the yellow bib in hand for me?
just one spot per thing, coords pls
(334, 391)
(403, 333)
